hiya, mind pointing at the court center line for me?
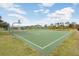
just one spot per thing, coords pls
(27, 41)
(55, 41)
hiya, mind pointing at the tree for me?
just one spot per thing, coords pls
(72, 25)
(3, 24)
(45, 26)
(67, 23)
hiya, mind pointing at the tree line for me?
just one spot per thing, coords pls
(59, 25)
(3, 25)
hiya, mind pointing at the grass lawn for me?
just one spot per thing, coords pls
(69, 47)
(10, 46)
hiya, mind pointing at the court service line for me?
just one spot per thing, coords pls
(55, 41)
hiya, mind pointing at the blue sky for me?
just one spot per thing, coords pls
(39, 13)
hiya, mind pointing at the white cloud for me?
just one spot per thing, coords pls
(46, 5)
(18, 16)
(17, 10)
(42, 10)
(8, 5)
(59, 15)
(46, 11)
(11, 7)
(39, 10)
(43, 7)
(36, 11)
(62, 15)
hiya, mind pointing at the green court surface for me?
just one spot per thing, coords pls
(43, 40)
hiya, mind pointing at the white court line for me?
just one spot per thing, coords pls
(27, 41)
(55, 41)
(44, 46)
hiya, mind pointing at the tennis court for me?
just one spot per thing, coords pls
(43, 40)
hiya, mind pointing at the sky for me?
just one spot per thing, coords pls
(39, 13)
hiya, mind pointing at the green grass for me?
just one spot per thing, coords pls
(10, 46)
